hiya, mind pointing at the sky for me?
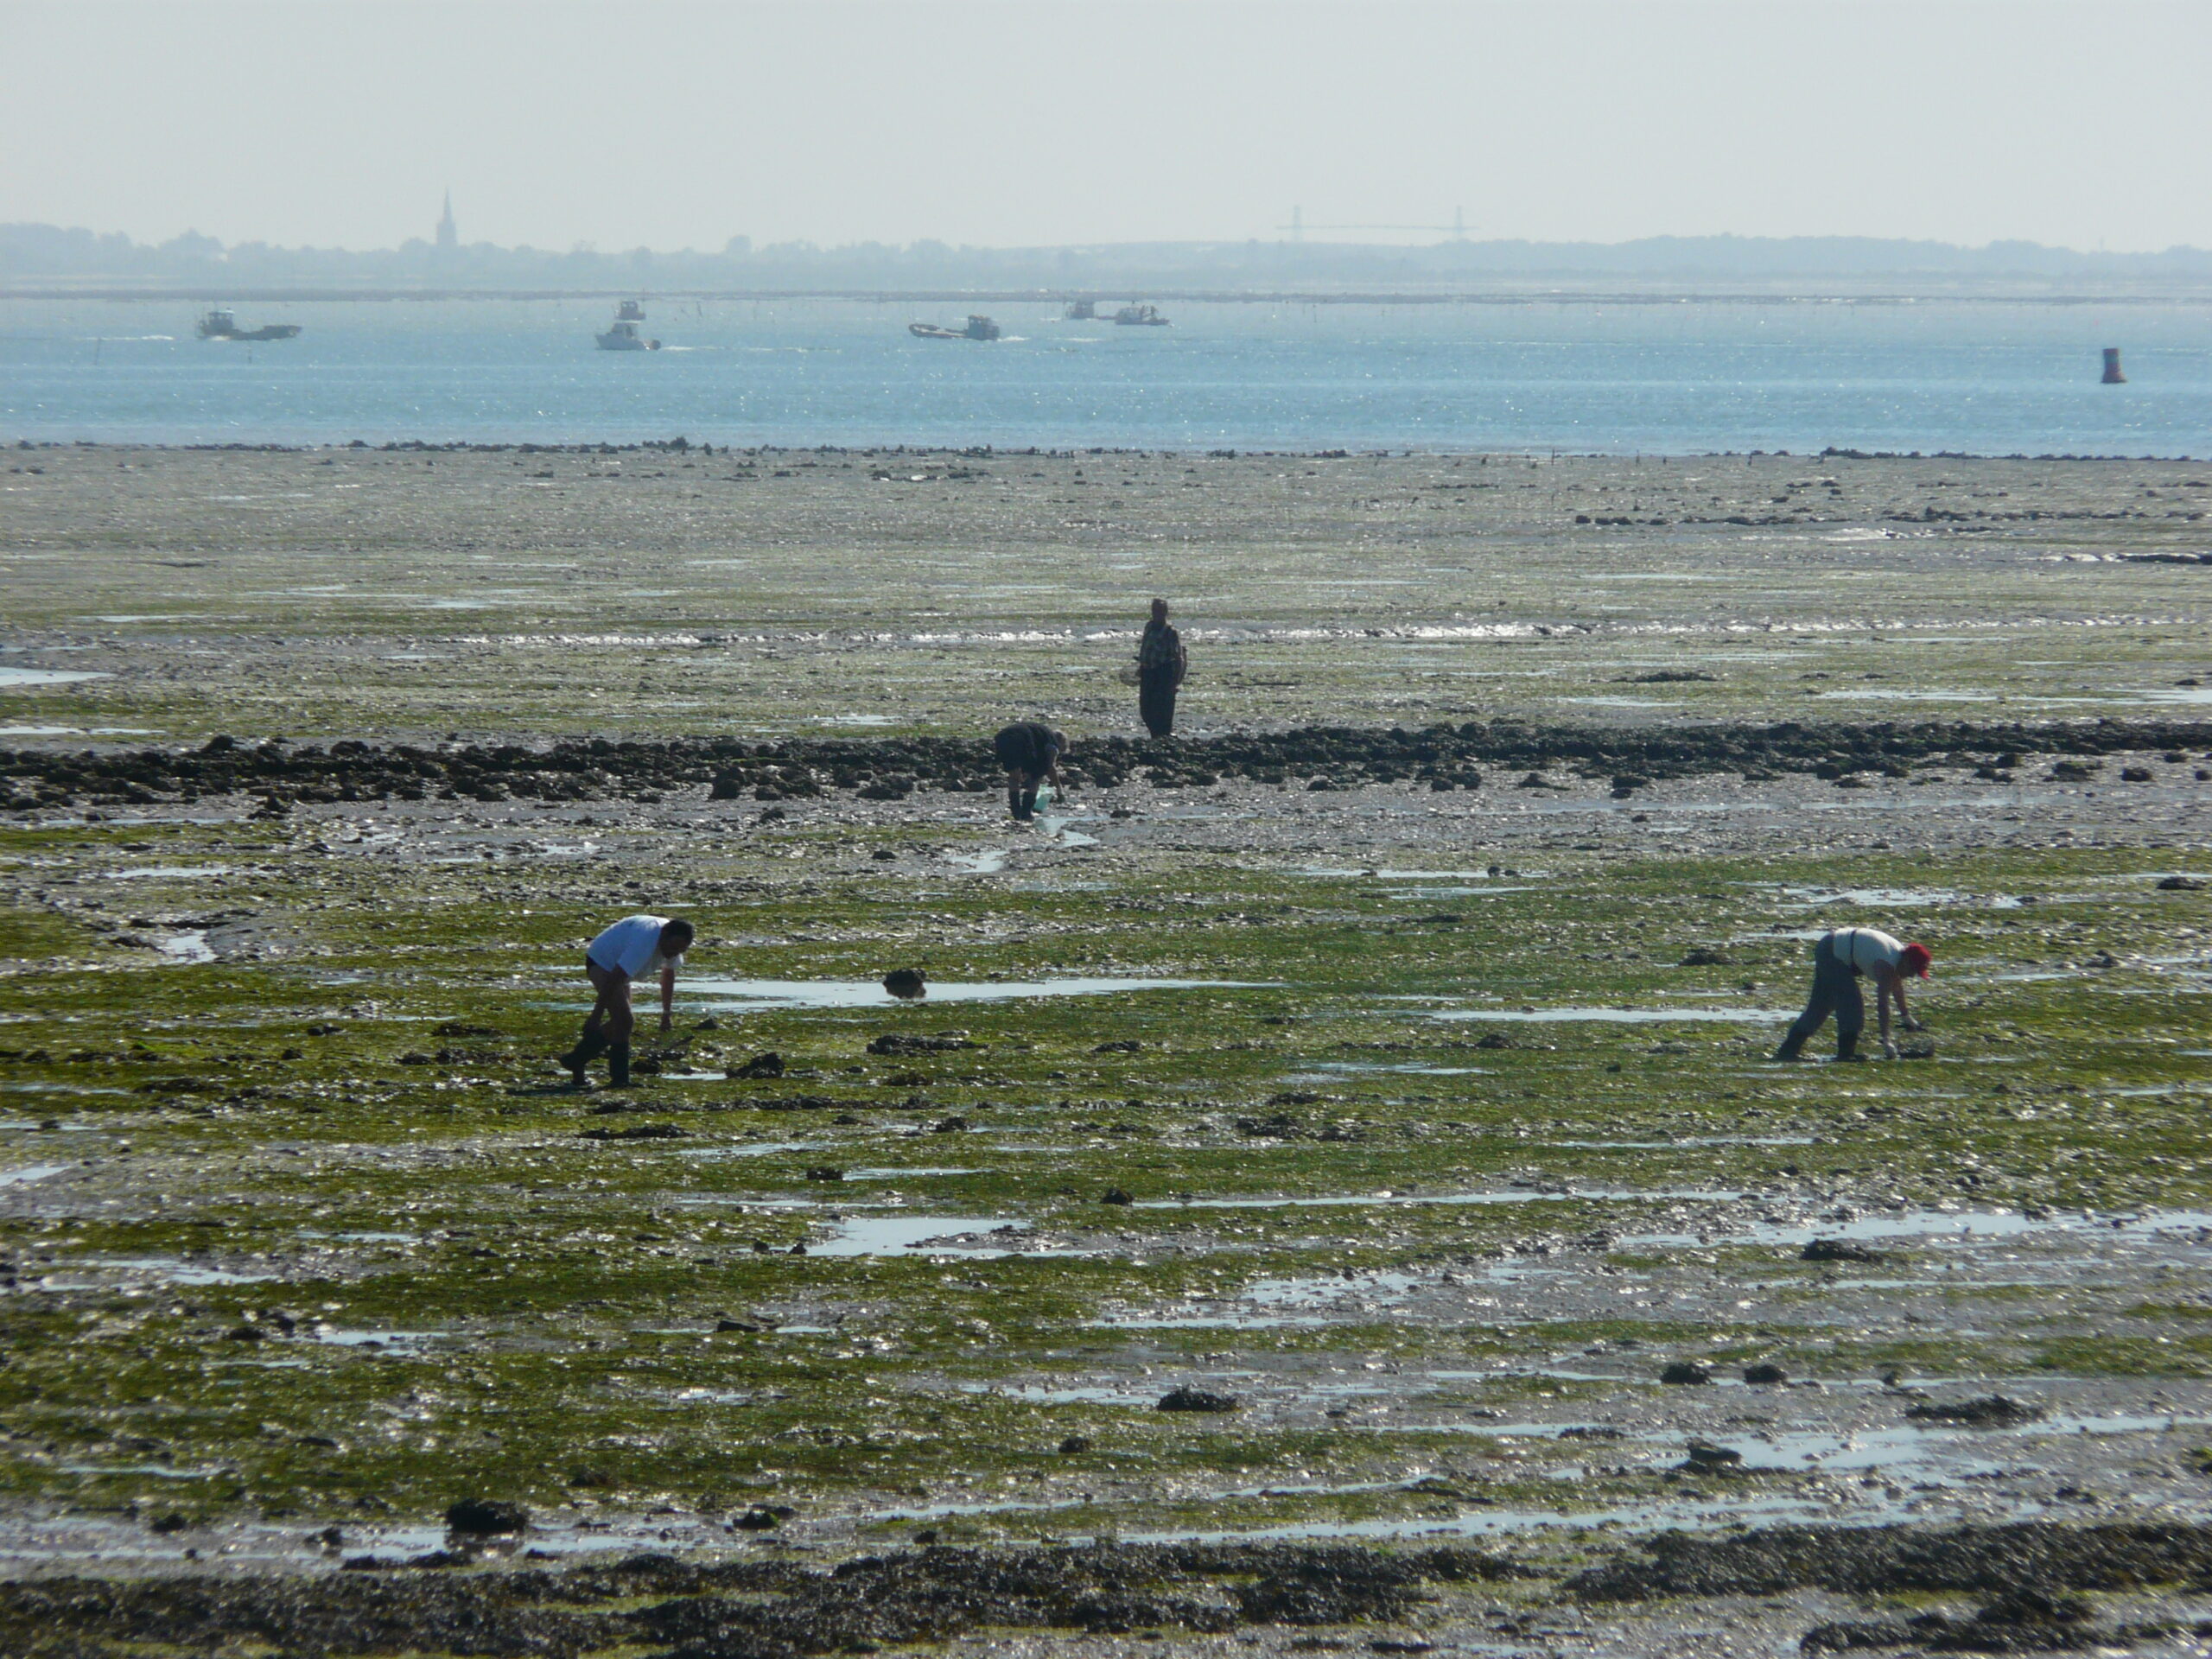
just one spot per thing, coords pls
(674, 123)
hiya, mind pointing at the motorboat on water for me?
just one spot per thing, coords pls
(220, 324)
(1081, 311)
(977, 329)
(1140, 317)
(623, 335)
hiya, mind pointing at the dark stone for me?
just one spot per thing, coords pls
(825, 1172)
(1115, 1195)
(1837, 1249)
(484, 1517)
(908, 983)
(1765, 1375)
(1686, 1373)
(759, 1066)
(1189, 1399)
(1075, 1444)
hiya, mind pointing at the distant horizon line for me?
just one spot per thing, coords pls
(742, 245)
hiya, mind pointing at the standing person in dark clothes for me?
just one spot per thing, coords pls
(632, 948)
(1162, 665)
(1838, 959)
(1031, 753)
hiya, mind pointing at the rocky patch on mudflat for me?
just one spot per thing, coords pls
(744, 1610)
(1441, 758)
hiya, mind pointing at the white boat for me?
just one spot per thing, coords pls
(622, 336)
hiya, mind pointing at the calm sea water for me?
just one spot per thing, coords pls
(1676, 377)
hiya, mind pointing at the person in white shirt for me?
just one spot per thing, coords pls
(626, 953)
(1840, 957)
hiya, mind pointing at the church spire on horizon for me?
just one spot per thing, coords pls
(449, 232)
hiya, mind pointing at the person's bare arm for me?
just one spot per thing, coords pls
(667, 995)
(1904, 1014)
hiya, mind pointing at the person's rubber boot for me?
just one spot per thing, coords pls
(577, 1060)
(1014, 805)
(1029, 812)
(1846, 1048)
(1791, 1049)
(618, 1065)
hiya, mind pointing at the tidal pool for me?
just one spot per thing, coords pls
(742, 996)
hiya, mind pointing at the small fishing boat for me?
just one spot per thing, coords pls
(1081, 311)
(623, 336)
(220, 324)
(1140, 317)
(977, 329)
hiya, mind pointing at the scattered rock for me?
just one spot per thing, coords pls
(1687, 1373)
(1706, 1459)
(1706, 955)
(1989, 1411)
(2182, 884)
(635, 1132)
(907, 983)
(943, 1043)
(1075, 1445)
(1115, 1195)
(770, 1064)
(825, 1172)
(1765, 1375)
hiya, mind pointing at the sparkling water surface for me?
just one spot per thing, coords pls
(1677, 376)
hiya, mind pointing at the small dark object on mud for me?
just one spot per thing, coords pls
(1668, 676)
(945, 1042)
(1765, 1375)
(1590, 1432)
(760, 1066)
(246, 1334)
(763, 1517)
(636, 1132)
(1278, 1126)
(1918, 1048)
(456, 1028)
(952, 1125)
(1115, 1195)
(170, 1522)
(1075, 1444)
(908, 983)
(1189, 1399)
(590, 1480)
(1990, 1411)
(825, 1172)
(486, 1518)
(1705, 1458)
(2136, 775)
(1837, 1249)
(1687, 1373)
(2182, 884)
(751, 1326)
(1127, 1045)
(1705, 956)
(1494, 1040)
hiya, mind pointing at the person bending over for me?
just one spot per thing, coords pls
(1162, 665)
(1840, 958)
(1031, 753)
(625, 953)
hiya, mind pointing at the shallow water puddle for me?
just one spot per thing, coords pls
(186, 948)
(742, 996)
(975, 1235)
(11, 675)
(34, 1173)
(168, 1269)
(1515, 1196)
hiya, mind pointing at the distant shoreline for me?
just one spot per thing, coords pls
(201, 294)
(684, 445)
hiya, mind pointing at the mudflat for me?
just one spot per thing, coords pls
(1334, 1191)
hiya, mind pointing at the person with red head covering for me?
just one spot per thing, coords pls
(1840, 959)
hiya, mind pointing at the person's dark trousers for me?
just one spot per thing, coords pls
(1021, 798)
(1835, 990)
(589, 1047)
(1156, 699)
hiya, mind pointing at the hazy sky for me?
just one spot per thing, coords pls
(673, 124)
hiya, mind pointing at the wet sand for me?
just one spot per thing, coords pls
(1458, 1138)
